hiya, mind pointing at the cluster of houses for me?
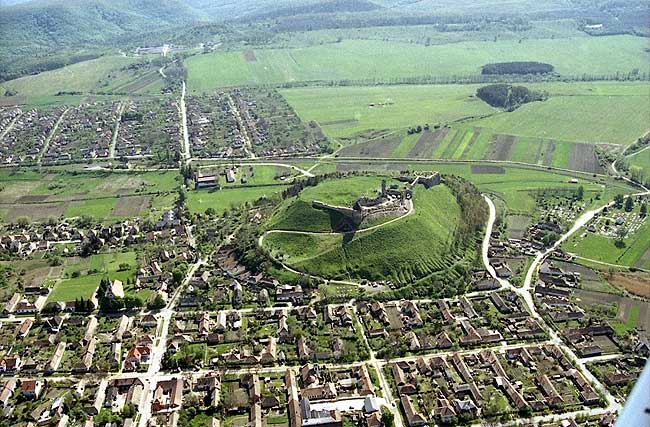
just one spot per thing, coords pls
(444, 389)
(147, 127)
(221, 125)
(86, 133)
(267, 336)
(213, 127)
(77, 345)
(27, 133)
(226, 283)
(441, 325)
(269, 137)
(23, 241)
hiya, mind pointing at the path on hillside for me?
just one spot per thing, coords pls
(46, 146)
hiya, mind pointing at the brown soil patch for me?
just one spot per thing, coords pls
(501, 148)
(32, 199)
(379, 148)
(427, 143)
(487, 169)
(633, 283)
(549, 153)
(36, 212)
(249, 55)
(12, 100)
(130, 206)
(583, 158)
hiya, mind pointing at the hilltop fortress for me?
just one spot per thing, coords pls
(392, 200)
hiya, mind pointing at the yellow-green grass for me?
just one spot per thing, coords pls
(641, 160)
(380, 60)
(81, 77)
(403, 250)
(228, 198)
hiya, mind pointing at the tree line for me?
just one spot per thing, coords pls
(508, 96)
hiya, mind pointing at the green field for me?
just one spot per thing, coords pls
(227, 198)
(602, 112)
(81, 77)
(642, 160)
(403, 250)
(612, 113)
(101, 195)
(383, 61)
(636, 252)
(90, 272)
(344, 111)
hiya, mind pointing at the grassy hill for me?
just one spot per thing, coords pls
(403, 251)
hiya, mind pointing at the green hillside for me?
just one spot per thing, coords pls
(405, 250)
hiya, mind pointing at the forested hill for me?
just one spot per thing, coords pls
(79, 22)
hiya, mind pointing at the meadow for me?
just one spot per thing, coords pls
(599, 112)
(388, 60)
(81, 276)
(227, 198)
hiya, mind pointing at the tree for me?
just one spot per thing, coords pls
(387, 418)
(618, 200)
(581, 193)
(644, 210)
(629, 204)
(157, 303)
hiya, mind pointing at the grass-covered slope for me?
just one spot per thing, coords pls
(297, 213)
(403, 251)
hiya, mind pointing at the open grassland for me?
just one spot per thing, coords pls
(81, 276)
(642, 160)
(227, 198)
(600, 112)
(612, 113)
(386, 61)
(403, 250)
(81, 77)
(345, 111)
(253, 175)
(101, 195)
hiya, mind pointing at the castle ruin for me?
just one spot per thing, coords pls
(392, 200)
